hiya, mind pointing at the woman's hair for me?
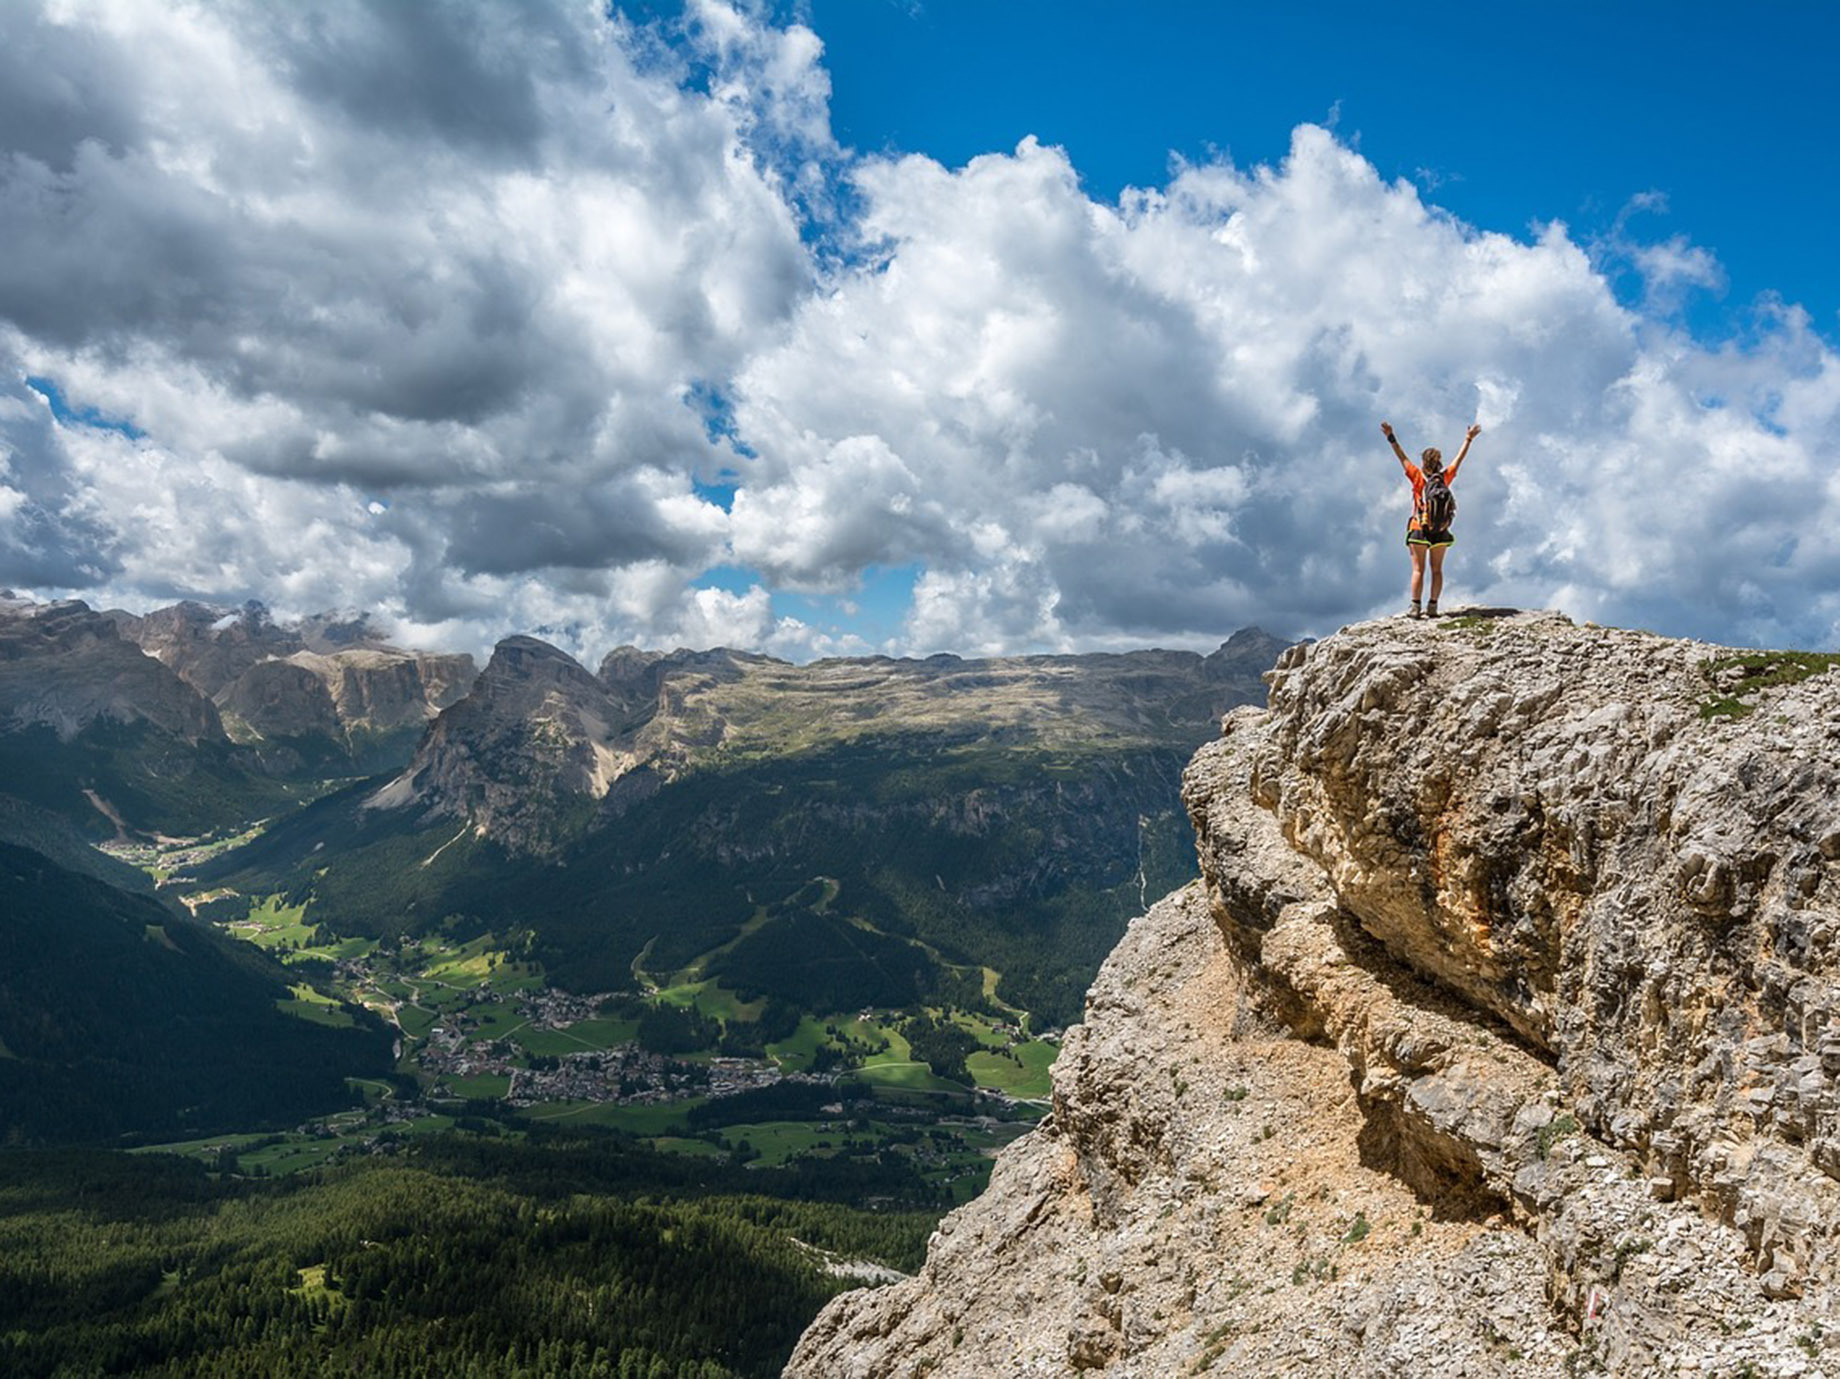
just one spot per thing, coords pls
(1433, 458)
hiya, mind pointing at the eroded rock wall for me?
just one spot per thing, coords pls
(1542, 821)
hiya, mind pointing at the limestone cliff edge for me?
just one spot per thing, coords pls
(1497, 1038)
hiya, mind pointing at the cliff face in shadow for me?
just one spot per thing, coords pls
(1497, 1038)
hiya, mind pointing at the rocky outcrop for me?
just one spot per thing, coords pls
(1497, 1039)
(206, 646)
(64, 666)
(328, 676)
(278, 699)
(536, 741)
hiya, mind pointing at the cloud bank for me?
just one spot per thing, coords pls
(504, 318)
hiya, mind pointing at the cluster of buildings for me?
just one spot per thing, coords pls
(622, 1074)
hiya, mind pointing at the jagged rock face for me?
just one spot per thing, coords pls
(1197, 1201)
(382, 688)
(65, 666)
(445, 679)
(1539, 818)
(327, 633)
(369, 684)
(536, 738)
(208, 647)
(1566, 943)
(280, 699)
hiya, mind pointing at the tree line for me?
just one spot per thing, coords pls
(438, 1262)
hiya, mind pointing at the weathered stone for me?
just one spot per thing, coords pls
(1505, 924)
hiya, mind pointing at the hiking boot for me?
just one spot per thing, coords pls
(1431, 609)
(1413, 612)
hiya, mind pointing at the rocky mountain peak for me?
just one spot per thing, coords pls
(208, 646)
(526, 676)
(339, 631)
(1498, 1038)
(65, 666)
(536, 736)
(328, 675)
(1250, 646)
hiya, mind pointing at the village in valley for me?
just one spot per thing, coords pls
(484, 1043)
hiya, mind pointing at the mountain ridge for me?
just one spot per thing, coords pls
(578, 734)
(169, 723)
(120, 1017)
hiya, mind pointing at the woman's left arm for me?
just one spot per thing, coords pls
(1468, 436)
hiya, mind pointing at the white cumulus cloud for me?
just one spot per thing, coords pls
(502, 317)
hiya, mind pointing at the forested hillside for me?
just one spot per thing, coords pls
(576, 1258)
(118, 1015)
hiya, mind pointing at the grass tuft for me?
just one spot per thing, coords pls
(1750, 672)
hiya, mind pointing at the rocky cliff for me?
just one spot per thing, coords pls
(324, 676)
(64, 666)
(535, 740)
(1497, 1038)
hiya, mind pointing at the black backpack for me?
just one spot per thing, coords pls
(1439, 505)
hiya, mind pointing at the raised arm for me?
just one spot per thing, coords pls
(1468, 436)
(1386, 429)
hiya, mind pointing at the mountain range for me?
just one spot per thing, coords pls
(845, 834)
(189, 718)
(640, 822)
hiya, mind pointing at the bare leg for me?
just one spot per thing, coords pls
(1418, 574)
(1437, 573)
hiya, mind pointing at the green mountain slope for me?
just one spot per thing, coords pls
(944, 862)
(118, 1018)
(568, 1258)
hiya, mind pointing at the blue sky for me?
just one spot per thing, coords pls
(844, 326)
(1508, 115)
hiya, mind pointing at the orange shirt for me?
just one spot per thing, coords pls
(1417, 476)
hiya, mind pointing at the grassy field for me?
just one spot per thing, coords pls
(677, 1144)
(896, 1066)
(909, 1076)
(277, 1155)
(584, 1036)
(415, 1021)
(272, 924)
(712, 999)
(796, 1054)
(492, 1019)
(599, 1032)
(308, 1004)
(473, 964)
(201, 1148)
(1026, 1077)
(780, 1140)
(486, 1086)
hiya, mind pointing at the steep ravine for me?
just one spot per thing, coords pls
(1497, 1038)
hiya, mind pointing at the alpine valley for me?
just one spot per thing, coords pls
(362, 1010)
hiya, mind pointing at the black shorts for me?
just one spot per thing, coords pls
(1415, 537)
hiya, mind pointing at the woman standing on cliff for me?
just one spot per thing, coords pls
(1433, 507)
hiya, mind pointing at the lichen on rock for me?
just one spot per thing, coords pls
(1497, 1038)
